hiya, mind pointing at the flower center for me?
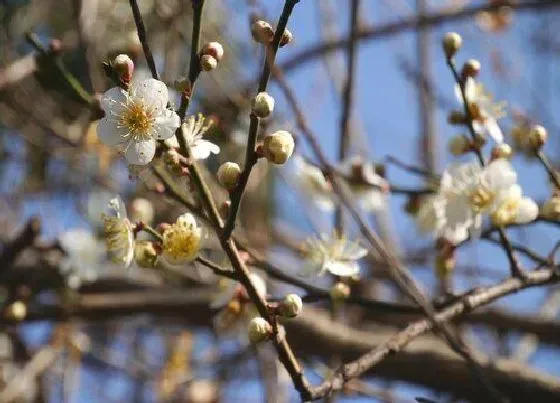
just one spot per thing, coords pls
(481, 198)
(507, 212)
(137, 119)
(181, 243)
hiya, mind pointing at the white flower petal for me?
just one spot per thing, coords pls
(527, 211)
(152, 92)
(354, 251)
(500, 174)
(494, 131)
(113, 100)
(343, 269)
(431, 216)
(166, 124)
(109, 132)
(140, 152)
(203, 148)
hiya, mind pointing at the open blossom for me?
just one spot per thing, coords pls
(313, 184)
(119, 235)
(182, 240)
(366, 185)
(194, 129)
(484, 111)
(333, 254)
(467, 191)
(136, 118)
(84, 256)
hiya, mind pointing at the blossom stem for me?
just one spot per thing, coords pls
(549, 169)
(146, 228)
(251, 156)
(141, 29)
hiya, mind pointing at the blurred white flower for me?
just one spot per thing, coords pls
(119, 235)
(136, 118)
(333, 254)
(466, 192)
(365, 183)
(84, 256)
(484, 111)
(182, 240)
(194, 129)
(313, 185)
(142, 210)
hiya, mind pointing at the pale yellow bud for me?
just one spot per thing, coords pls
(278, 147)
(471, 68)
(145, 254)
(537, 136)
(551, 208)
(262, 32)
(452, 42)
(123, 67)
(228, 175)
(214, 49)
(291, 306)
(339, 292)
(259, 330)
(287, 37)
(16, 311)
(263, 105)
(502, 151)
(459, 145)
(208, 62)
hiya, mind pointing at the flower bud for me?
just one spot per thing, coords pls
(259, 330)
(228, 175)
(214, 49)
(262, 32)
(208, 62)
(278, 147)
(123, 67)
(551, 208)
(145, 254)
(537, 137)
(291, 306)
(456, 118)
(339, 292)
(16, 311)
(286, 38)
(471, 68)
(263, 105)
(459, 145)
(502, 151)
(452, 42)
(142, 210)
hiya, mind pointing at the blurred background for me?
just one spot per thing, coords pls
(77, 328)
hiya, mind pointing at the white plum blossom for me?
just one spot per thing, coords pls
(312, 183)
(84, 258)
(182, 240)
(193, 130)
(136, 118)
(119, 235)
(484, 111)
(333, 254)
(467, 191)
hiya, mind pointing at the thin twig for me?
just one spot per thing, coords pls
(549, 168)
(141, 29)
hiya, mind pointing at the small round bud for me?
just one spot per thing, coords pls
(502, 151)
(259, 330)
(123, 67)
(471, 68)
(16, 311)
(459, 145)
(291, 306)
(214, 49)
(208, 62)
(339, 292)
(537, 136)
(145, 254)
(262, 32)
(456, 118)
(452, 42)
(551, 208)
(142, 210)
(278, 147)
(228, 175)
(286, 38)
(263, 105)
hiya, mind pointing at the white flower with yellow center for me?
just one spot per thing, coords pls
(119, 235)
(513, 208)
(312, 183)
(136, 118)
(333, 254)
(194, 129)
(182, 240)
(484, 111)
